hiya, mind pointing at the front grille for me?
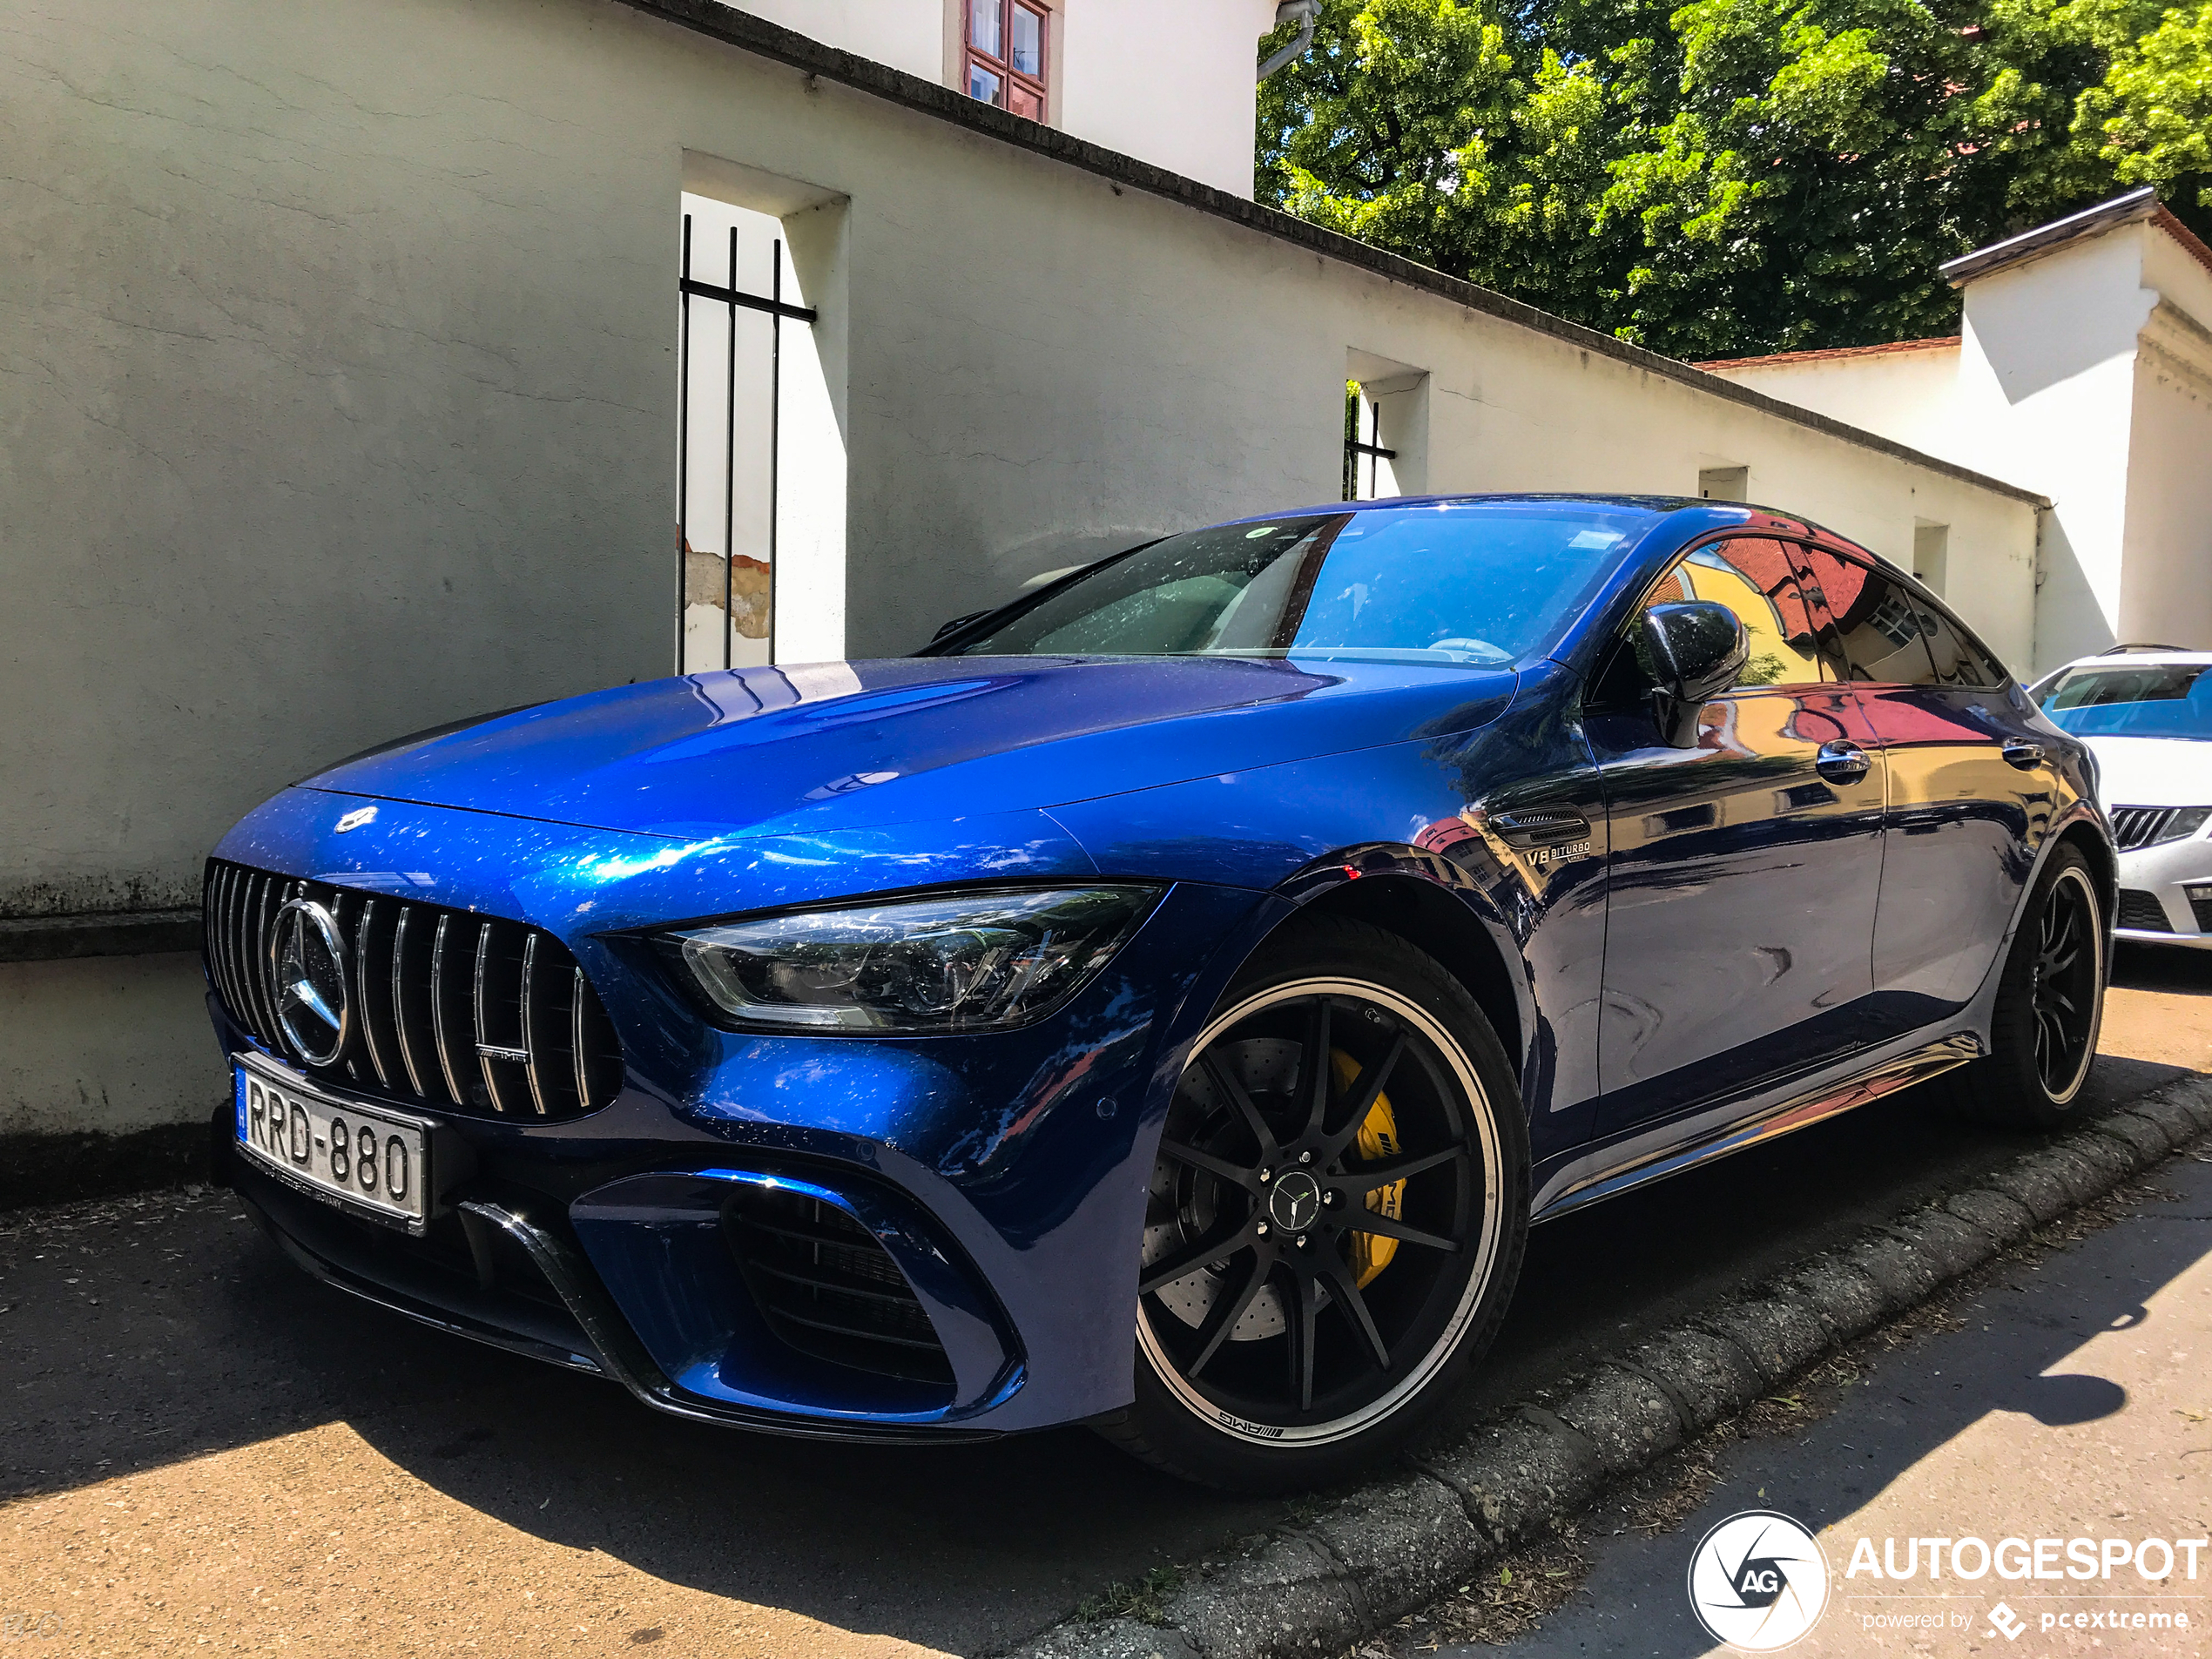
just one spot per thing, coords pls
(2135, 827)
(829, 1289)
(2141, 912)
(453, 1010)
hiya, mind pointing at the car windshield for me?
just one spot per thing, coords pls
(1471, 585)
(2140, 700)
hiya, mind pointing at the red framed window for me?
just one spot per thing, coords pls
(1007, 43)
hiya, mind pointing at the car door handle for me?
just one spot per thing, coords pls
(2019, 751)
(1841, 762)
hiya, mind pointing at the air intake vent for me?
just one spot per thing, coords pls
(829, 1289)
(447, 1008)
(2141, 913)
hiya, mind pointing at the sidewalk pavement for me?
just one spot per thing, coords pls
(2066, 1394)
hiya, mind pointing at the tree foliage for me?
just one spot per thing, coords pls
(1731, 177)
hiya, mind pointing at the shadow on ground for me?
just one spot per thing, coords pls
(164, 1327)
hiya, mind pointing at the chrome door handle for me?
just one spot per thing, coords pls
(1841, 762)
(2019, 751)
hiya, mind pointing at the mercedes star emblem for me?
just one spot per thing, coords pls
(307, 972)
(1294, 1201)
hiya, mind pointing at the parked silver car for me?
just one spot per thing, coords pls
(2147, 717)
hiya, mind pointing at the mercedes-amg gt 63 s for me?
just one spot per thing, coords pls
(1164, 1002)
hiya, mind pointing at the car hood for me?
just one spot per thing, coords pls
(844, 745)
(2152, 772)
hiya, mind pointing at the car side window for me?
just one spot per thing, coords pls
(1752, 577)
(1960, 659)
(1879, 624)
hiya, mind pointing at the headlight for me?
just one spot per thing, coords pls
(2185, 822)
(953, 963)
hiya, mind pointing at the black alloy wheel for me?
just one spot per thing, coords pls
(2068, 960)
(1334, 1219)
(2050, 1005)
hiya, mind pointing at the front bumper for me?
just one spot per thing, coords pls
(530, 1291)
(989, 1182)
(2166, 894)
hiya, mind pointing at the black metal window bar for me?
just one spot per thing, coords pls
(777, 311)
(1354, 451)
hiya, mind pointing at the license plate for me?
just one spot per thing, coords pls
(360, 1158)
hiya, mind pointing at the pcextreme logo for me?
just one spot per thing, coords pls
(1758, 1581)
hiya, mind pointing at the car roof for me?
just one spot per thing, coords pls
(2133, 660)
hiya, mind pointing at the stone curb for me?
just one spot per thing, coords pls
(1416, 1534)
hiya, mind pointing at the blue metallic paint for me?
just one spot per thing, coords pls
(662, 1236)
(1006, 1170)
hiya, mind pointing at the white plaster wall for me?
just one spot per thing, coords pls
(110, 1044)
(2166, 595)
(1908, 395)
(2180, 276)
(1169, 82)
(339, 399)
(2047, 384)
(904, 34)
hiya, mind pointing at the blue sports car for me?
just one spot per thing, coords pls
(1166, 1002)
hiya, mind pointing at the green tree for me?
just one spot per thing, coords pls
(2151, 118)
(1730, 177)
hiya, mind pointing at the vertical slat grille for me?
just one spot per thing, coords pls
(452, 1010)
(257, 953)
(373, 985)
(405, 1026)
(443, 1035)
(529, 1023)
(2135, 827)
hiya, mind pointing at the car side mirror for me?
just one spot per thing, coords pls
(1695, 651)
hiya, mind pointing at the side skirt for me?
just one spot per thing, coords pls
(1635, 1163)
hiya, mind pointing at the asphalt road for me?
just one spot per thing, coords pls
(203, 1447)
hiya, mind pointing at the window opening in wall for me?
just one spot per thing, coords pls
(735, 300)
(1725, 483)
(1006, 42)
(1931, 554)
(1365, 475)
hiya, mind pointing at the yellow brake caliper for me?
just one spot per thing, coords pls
(1377, 1138)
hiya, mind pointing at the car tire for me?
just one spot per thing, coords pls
(1329, 1346)
(2050, 1005)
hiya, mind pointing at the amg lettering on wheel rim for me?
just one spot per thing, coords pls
(1323, 1216)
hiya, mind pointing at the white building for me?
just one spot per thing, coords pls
(1168, 82)
(2084, 373)
(351, 389)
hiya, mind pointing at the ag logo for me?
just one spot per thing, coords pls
(1758, 1581)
